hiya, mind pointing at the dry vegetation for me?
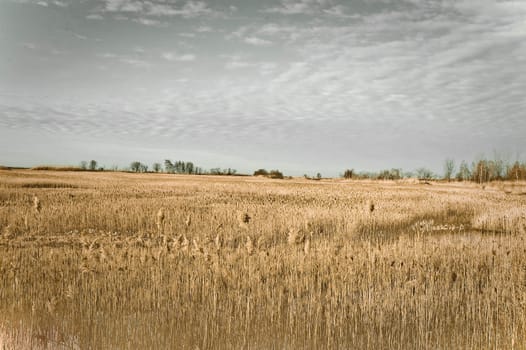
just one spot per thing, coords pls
(128, 261)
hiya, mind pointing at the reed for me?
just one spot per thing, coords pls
(303, 265)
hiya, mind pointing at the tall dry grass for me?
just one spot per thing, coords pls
(160, 261)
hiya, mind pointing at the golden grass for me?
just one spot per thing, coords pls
(166, 261)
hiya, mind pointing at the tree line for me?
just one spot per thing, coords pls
(481, 170)
(170, 167)
(485, 170)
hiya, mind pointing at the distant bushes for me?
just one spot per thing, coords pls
(348, 174)
(273, 174)
(392, 174)
(481, 170)
(57, 168)
(219, 171)
(261, 172)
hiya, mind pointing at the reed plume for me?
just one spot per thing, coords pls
(160, 220)
(249, 246)
(36, 204)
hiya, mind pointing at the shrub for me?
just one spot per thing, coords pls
(261, 172)
(348, 174)
(275, 174)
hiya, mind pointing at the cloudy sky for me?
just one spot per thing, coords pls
(299, 85)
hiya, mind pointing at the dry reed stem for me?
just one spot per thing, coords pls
(249, 246)
(218, 241)
(37, 205)
(306, 248)
(160, 220)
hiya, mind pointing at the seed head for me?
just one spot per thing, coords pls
(160, 216)
(249, 246)
(218, 242)
(36, 204)
(185, 243)
(306, 248)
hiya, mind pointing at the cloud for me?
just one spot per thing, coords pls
(186, 58)
(273, 29)
(204, 29)
(43, 3)
(195, 8)
(172, 56)
(304, 7)
(136, 62)
(190, 9)
(123, 6)
(60, 3)
(107, 55)
(289, 8)
(163, 10)
(263, 68)
(95, 16)
(239, 33)
(257, 41)
(148, 22)
(80, 36)
(30, 46)
(338, 11)
(59, 52)
(239, 64)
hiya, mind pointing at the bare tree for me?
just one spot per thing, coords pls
(92, 165)
(135, 166)
(464, 174)
(424, 173)
(168, 166)
(449, 168)
(348, 174)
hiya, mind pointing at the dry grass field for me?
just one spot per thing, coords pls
(134, 261)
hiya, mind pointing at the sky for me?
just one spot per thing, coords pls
(304, 86)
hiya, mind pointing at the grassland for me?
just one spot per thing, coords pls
(129, 261)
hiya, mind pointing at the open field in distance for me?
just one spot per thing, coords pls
(129, 261)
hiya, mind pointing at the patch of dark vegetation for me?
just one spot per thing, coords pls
(56, 185)
(453, 218)
(57, 168)
(3, 167)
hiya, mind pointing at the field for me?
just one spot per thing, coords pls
(130, 261)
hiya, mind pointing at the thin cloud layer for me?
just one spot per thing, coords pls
(448, 75)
